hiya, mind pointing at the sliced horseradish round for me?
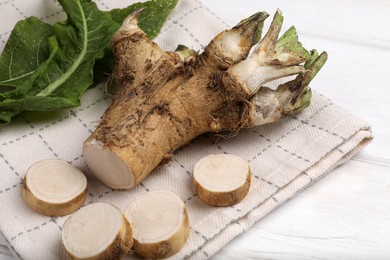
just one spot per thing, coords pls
(221, 179)
(97, 231)
(160, 224)
(53, 187)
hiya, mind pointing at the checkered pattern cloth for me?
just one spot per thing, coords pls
(284, 157)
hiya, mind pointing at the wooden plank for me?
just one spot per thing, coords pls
(345, 216)
(359, 21)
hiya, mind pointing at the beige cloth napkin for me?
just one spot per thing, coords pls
(285, 157)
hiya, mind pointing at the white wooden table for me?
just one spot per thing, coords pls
(346, 215)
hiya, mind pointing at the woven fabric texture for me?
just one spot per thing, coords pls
(284, 157)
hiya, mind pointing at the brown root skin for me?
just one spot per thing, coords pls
(166, 248)
(221, 179)
(122, 244)
(223, 199)
(52, 209)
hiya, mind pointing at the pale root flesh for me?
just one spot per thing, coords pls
(53, 187)
(107, 165)
(221, 179)
(97, 231)
(160, 224)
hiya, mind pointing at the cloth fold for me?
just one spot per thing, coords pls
(285, 157)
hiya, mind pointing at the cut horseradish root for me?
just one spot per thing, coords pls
(166, 99)
(97, 231)
(53, 187)
(160, 224)
(221, 179)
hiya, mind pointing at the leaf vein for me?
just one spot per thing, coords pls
(53, 86)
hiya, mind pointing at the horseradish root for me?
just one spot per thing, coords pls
(160, 224)
(97, 231)
(221, 179)
(53, 187)
(165, 99)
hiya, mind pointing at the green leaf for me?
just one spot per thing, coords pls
(46, 67)
(315, 65)
(81, 40)
(151, 19)
(26, 49)
(289, 51)
(313, 57)
(60, 80)
(23, 88)
(7, 114)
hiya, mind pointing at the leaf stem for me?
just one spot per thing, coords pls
(64, 77)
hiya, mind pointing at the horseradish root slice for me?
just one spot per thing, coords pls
(160, 224)
(53, 187)
(97, 231)
(221, 179)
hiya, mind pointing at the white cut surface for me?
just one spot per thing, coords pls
(229, 44)
(244, 69)
(221, 172)
(254, 75)
(265, 101)
(91, 230)
(155, 216)
(55, 181)
(277, 82)
(107, 166)
(265, 74)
